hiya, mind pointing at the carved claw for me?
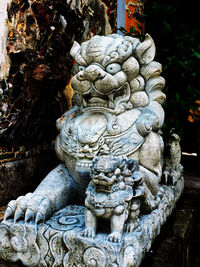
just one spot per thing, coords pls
(8, 213)
(30, 208)
(10, 209)
(170, 177)
(88, 232)
(115, 237)
(29, 215)
(19, 213)
(16, 208)
(165, 177)
(138, 192)
(161, 191)
(39, 217)
(12, 204)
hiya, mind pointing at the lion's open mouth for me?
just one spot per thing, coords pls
(110, 102)
(95, 101)
(86, 164)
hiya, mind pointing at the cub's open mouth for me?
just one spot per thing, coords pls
(103, 188)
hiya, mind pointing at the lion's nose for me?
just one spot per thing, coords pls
(93, 73)
(86, 149)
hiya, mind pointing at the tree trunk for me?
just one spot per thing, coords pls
(134, 22)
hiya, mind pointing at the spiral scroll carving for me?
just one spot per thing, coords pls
(94, 257)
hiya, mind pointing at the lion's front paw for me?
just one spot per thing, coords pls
(88, 232)
(31, 208)
(115, 237)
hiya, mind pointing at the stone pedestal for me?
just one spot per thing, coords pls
(58, 241)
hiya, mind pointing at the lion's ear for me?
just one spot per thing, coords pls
(146, 50)
(74, 50)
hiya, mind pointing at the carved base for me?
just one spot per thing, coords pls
(58, 242)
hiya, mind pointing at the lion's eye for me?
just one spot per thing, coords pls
(113, 68)
(81, 68)
(75, 69)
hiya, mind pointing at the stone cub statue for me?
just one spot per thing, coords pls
(113, 194)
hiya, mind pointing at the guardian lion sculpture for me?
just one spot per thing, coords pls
(118, 112)
(111, 148)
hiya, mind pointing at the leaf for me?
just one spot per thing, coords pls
(196, 54)
(177, 97)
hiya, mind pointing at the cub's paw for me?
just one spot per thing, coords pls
(170, 176)
(115, 237)
(131, 226)
(31, 208)
(88, 232)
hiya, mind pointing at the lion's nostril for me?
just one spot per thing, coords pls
(81, 77)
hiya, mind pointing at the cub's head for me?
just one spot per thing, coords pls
(112, 174)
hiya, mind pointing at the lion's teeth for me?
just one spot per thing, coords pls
(111, 97)
(84, 102)
(111, 105)
(84, 164)
(97, 105)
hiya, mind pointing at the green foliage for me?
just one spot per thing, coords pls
(174, 25)
(133, 32)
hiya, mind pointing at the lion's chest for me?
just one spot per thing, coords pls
(85, 136)
(87, 129)
(88, 135)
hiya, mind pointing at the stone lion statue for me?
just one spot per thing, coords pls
(117, 112)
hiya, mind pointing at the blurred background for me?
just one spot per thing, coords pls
(175, 27)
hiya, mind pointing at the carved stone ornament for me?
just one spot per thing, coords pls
(111, 149)
(113, 194)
